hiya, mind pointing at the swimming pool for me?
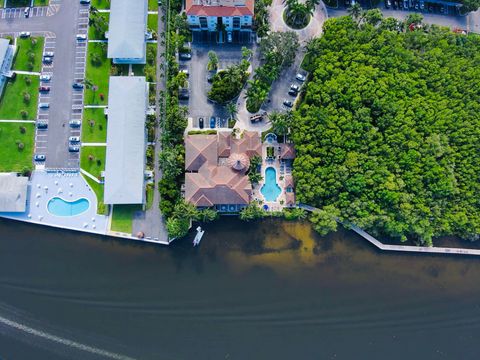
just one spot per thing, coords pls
(59, 207)
(270, 190)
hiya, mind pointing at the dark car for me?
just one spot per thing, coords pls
(42, 125)
(292, 92)
(73, 148)
(47, 59)
(201, 123)
(212, 122)
(184, 94)
(287, 103)
(85, 2)
(256, 118)
(77, 85)
(185, 56)
(39, 157)
(387, 4)
(44, 88)
(26, 12)
(347, 3)
(210, 77)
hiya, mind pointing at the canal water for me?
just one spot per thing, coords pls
(266, 290)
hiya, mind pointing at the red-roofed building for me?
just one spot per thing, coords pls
(213, 15)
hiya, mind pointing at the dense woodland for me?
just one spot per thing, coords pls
(388, 133)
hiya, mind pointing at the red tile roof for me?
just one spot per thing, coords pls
(209, 10)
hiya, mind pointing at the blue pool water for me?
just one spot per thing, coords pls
(59, 207)
(270, 190)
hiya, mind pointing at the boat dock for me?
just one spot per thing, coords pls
(404, 248)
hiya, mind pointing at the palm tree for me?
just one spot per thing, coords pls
(212, 60)
(355, 11)
(232, 109)
(91, 86)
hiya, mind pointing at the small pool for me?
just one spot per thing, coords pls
(270, 190)
(59, 207)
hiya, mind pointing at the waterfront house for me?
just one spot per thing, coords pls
(126, 140)
(13, 192)
(127, 31)
(216, 15)
(216, 167)
(6, 57)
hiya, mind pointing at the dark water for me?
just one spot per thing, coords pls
(268, 290)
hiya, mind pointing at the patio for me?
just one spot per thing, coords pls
(69, 187)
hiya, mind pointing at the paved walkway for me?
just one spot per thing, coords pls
(95, 106)
(98, 41)
(152, 222)
(86, 173)
(94, 144)
(26, 72)
(17, 121)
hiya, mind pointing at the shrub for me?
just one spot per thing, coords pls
(21, 146)
(22, 129)
(26, 97)
(24, 114)
(99, 162)
(28, 81)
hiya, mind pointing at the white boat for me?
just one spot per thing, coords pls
(198, 237)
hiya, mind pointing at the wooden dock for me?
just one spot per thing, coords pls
(404, 248)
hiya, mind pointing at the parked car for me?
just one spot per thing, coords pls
(26, 12)
(185, 56)
(422, 5)
(39, 157)
(81, 37)
(347, 3)
(295, 87)
(42, 125)
(75, 123)
(229, 36)
(256, 118)
(210, 77)
(44, 105)
(25, 34)
(47, 59)
(45, 77)
(405, 4)
(184, 94)
(73, 148)
(213, 122)
(77, 85)
(44, 88)
(85, 2)
(48, 53)
(74, 139)
(300, 77)
(287, 103)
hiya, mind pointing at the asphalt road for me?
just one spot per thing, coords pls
(65, 26)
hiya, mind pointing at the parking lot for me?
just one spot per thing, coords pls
(198, 104)
(213, 37)
(19, 12)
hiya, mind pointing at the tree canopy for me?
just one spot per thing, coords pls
(388, 133)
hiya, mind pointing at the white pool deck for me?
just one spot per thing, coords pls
(44, 186)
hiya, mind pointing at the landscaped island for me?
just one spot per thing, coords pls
(388, 134)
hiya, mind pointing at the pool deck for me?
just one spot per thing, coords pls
(68, 186)
(275, 163)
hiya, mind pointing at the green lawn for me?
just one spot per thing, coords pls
(149, 69)
(41, 2)
(97, 132)
(101, 4)
(92, 166)
(92, 33)
(153, 5)
(98, 189)
(122, 217)
(150, 192)
(152, 22)
(12, 102)
(14, 159)
(98, 74)
(17, 3)
(26, 47)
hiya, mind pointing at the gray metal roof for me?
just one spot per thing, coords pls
(126, 33)
(4, 43)
(126, 140)
(13, 192)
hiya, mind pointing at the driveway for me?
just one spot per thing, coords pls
(64, 24)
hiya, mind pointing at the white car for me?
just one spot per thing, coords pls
(45, 77)
(48, 54)
(75, 123)
(44, 105)
(81, 37)
(74, 139)
(300, 77)
(25, 34)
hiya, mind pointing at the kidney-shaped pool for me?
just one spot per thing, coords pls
(59, 207)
